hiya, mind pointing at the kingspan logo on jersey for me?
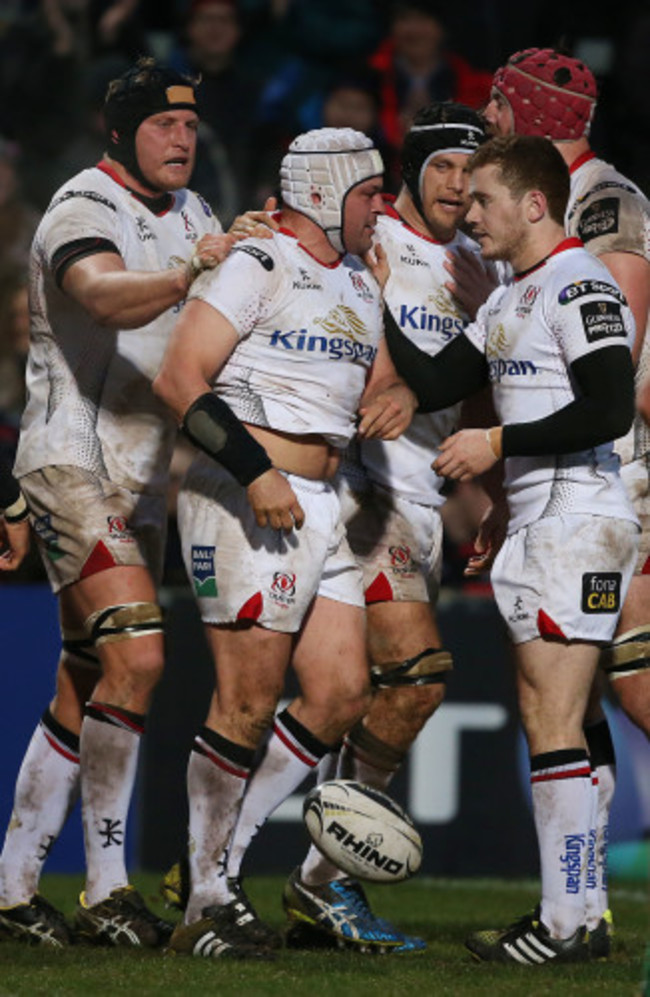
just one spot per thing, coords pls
(438, 315)
(500, 366)
(341, 338)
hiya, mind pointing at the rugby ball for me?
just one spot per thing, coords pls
(362, 831)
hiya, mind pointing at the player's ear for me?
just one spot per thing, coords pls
(535, 205)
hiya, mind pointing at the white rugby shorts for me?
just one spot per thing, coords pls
(397, 543)
(565, 576)
(85, 524)
(240, 571)
(636, 478)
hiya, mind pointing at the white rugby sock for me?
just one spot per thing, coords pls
(315, 868)
(292, 753)
(47, 788)
(217, 774)
(603, 762)
(562, 806)
(110, 739)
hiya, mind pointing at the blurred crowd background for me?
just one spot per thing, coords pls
(271, 69)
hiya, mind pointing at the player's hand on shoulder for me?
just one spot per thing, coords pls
(274, 502)
(208, 253)
(471, 284)
(256, 224)
(377, 262)
(388, 414)
(467, 453)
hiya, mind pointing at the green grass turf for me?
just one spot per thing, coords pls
(442, 911)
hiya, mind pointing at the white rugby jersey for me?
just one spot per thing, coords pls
(428, 314)
(612, 215)
(308, 334)
(531, 332)
(90, 402)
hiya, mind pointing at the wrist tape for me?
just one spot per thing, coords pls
(17, 511)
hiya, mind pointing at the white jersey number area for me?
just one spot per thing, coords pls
(90, 399)
(531, 332)
(308, 334)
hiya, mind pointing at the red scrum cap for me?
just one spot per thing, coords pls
(550, 94)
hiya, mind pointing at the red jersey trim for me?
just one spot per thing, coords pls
(391, 212)
(581, 160)
(569, 243)
(328, 266)
(142, 198)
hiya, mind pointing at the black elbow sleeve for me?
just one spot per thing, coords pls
(211, 425)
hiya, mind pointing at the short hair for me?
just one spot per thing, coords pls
(528, 162)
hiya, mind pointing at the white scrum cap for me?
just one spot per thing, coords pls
(319, 170)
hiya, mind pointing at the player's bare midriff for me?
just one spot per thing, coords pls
(308, 455)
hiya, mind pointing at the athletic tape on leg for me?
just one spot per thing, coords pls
(134, 619)
(426, 668)
(628, 654)
(79, 645)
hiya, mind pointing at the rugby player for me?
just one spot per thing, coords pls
(555, 346)
(275, 357)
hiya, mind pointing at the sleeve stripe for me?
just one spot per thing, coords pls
(76, 250)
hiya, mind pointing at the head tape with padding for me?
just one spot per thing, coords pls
(551, 94)
(146, 89)
(436, 129)
(319, 171)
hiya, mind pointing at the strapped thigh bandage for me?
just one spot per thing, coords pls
(78, 645)
(134, 619)
(628, 654)
(425, 668)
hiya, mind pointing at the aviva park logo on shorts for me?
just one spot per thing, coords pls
(601, 592)
(204, 575)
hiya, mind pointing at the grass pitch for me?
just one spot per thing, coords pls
(442, 911)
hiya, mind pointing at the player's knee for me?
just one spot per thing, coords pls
(124, 626)
(404, 711)
(347, 701)
(423, 701)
